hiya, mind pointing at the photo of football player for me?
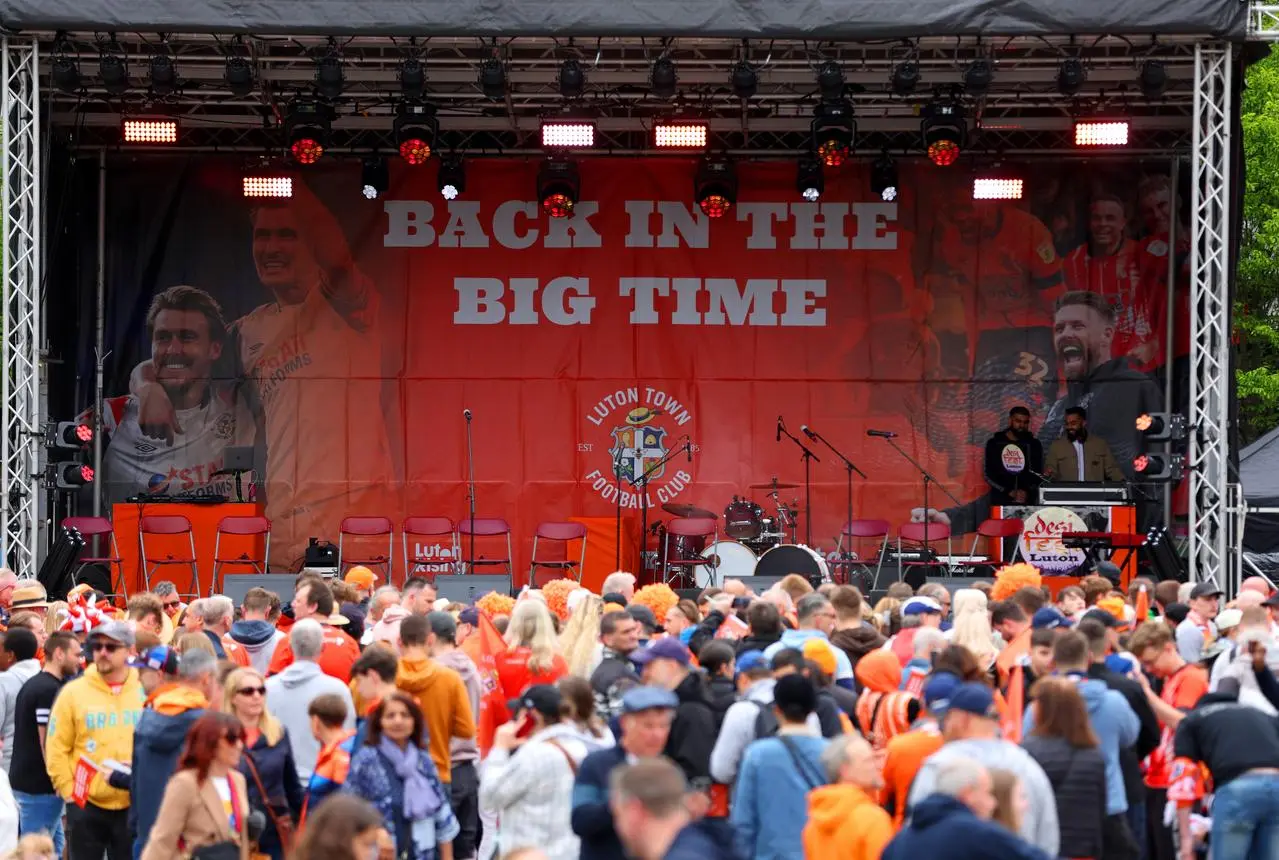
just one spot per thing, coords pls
(188, 335)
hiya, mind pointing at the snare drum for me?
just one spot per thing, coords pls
(793, 558)
(743, 519)
(727, 559)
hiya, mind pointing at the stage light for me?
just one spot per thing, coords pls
(567, 134)
(238, 76)
(558, 187)
(416, 129)
(944, 131)
(680, 134)
(65, 74)
(452, 178)
(164, 75)
(330, 77)
(809, 181)
(745, 80)
(1101, 133)
(1162, 426)
(1071, 76)
(375, 177)
(307, 125)
(830, 80)
(663, 80)
(1159, 468)
(412, 78)
(905, 77)
(113, 69)
(71, 475)
(833, 130)
(493, 79)
(978, 77)
(715, 187)
(263, 185)
(883, 178)
(1153, 79)
(997, 187)
(572, 79)
(154, 130)
(68, 435)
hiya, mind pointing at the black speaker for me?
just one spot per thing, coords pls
(759, 584)
(236, 585)
(470, 587)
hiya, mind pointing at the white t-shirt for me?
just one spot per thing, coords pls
(1079, 457)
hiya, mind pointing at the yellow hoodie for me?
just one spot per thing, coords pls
(445, 706)
(90, 720)
(845, 823)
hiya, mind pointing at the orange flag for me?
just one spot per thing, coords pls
(491, 644)
(1143, 604)
(1015, 709)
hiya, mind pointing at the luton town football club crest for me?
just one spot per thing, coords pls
(643, 425)
(637, 445)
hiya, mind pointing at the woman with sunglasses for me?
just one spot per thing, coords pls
(206, 801)
(268, 761)
(394, 772)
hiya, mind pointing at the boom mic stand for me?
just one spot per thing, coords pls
(640, 485)
(470, 487)
(849, 468)
(928, 479)
(809, 458)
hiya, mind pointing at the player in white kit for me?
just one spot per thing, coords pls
(312, 357)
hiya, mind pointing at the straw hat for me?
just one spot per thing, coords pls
(32, 596)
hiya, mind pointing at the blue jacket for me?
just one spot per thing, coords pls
(770, 803)
(698, 841)
(942, 826)
(372, 778)
(591, 818)
(1116, 726)
(157, 742)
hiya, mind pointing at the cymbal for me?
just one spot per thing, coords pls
(774, 485)
(691, 512)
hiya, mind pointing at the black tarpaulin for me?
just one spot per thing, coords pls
(812, 19)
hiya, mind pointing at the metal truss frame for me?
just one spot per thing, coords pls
(1210, 383)
(20, 387)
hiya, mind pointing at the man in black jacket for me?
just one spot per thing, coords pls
(1014, 460)
(666, 664)
(1130, 758)
(619, 634)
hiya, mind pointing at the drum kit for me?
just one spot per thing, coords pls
(750, 543)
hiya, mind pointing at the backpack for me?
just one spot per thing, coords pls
(766, 724)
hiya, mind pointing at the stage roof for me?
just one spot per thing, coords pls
(754, 19)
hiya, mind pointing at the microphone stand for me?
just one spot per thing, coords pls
(928, 479)
(849, 468)
(617, 476)
(470, 491)
(640, 484)
(809, 458)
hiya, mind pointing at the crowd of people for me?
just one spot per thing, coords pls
(373, 721)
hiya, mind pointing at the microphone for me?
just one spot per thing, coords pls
(779, 429)
(466, 413)
(809, 433)
(883, 434)
(255, 825)
(688, 448)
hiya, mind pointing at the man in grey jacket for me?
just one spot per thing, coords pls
(463, 752)
(22, 647)
(289, 694)
(970, 728)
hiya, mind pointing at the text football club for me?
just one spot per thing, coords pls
(640, 426)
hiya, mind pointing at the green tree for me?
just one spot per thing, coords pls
(1257, 283)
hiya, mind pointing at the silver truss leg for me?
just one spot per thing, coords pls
(20, 381)
(1210, 313)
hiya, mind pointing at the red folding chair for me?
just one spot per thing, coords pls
(996, 531)
(485, 527)
(863, 530)
(680, 570)
(432, 528)
(241, 527)
(561, 533)
(168, 528)
(100, 543)
(367, 529)
(923, 536)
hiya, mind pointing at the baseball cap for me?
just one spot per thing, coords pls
(820, 652)
(921, 605)
(116, 631)
(1047, 618)
(1228, 618)
(442, 624)
(360, 576)
(614, 597)
(1116, 607)
(543, 698)
(973, 698)
(662, 649)
(938, 690)
(643, 615)
(639, 699)
(161, 658)
(1104, 617)
(752, 659)
(470, 615)
(1109, 570)
(1205, 589)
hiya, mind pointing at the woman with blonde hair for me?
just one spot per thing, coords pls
(531, 655)
(887, 616)
(972, 626)
(580, 641)
(267, 764)
(1011, 802)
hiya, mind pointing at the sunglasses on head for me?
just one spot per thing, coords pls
(251, 691)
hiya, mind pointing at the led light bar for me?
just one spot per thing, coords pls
(997, 188)
(268, 186)
(680, 135)
(559, 134)
(1106, 133)
(150, 130)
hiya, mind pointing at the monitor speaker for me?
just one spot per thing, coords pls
(470, 587)
(236, 585)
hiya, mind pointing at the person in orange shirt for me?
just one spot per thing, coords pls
(883, 709)
(1011, 623)
(906, 752)
(844, 821)
(439, 690)
(531, 653)
(312, 598)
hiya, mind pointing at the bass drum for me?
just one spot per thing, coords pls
(726, 559)
(793, 558)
